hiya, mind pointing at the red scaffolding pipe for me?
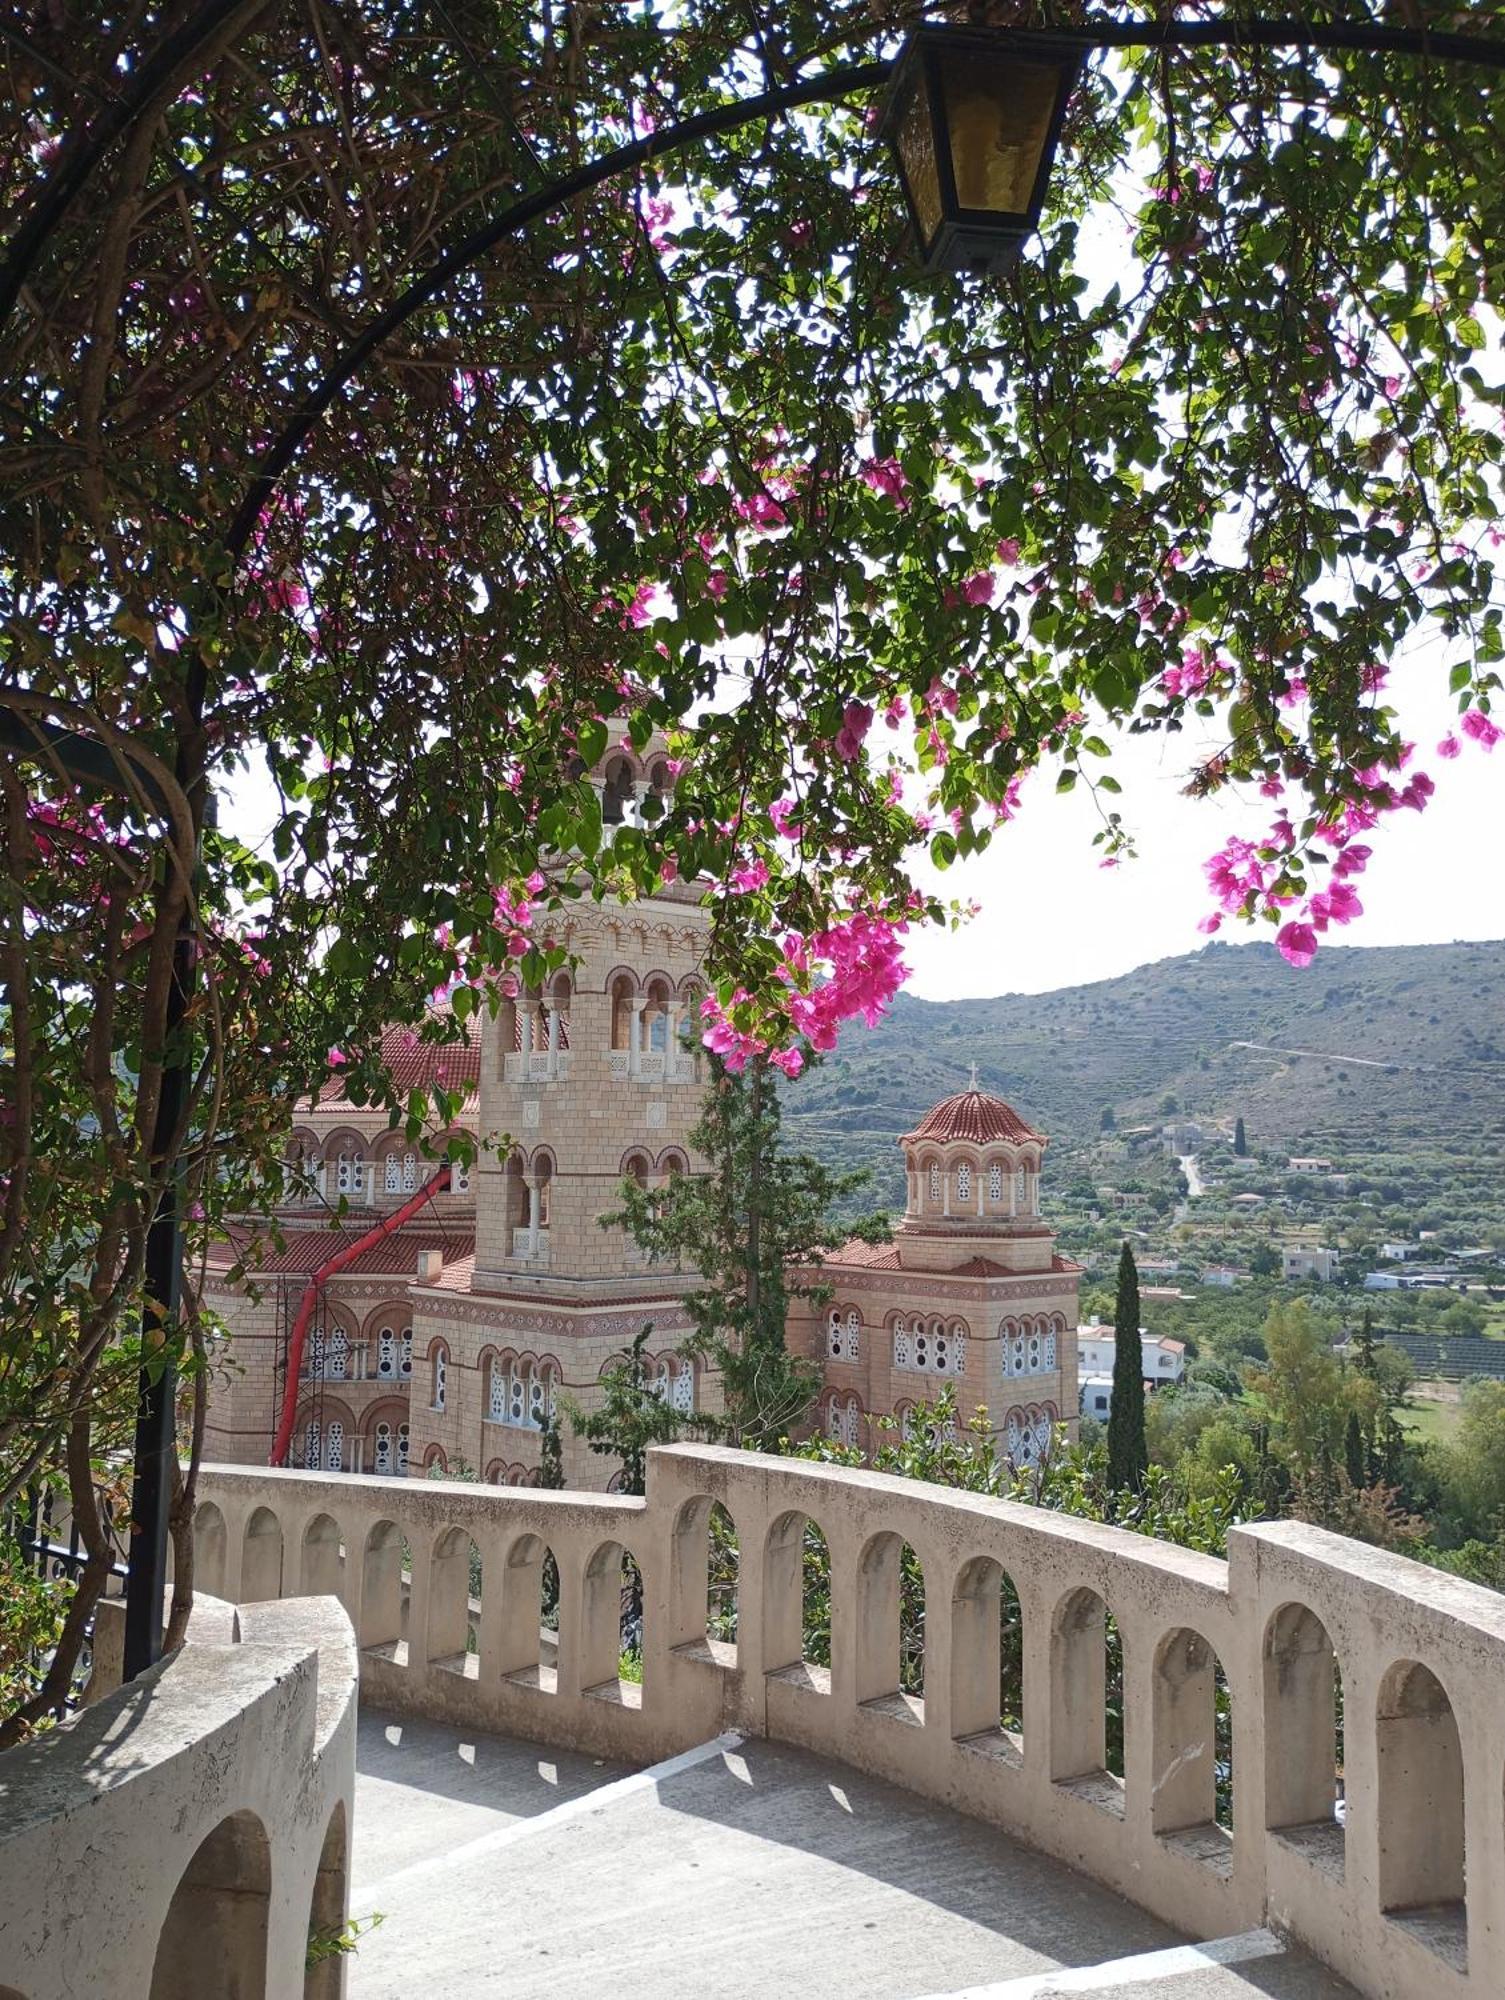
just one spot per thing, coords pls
(338, 1262)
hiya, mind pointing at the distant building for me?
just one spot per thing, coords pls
(1410, 1281)
(1097, 1396)
(1183, 1137)
(1310, 1166)
(1159, 1267)
(1161, 1359)
(1398, 1253)
(1224, 1275)
(1249, 1200)
(1301, 1261)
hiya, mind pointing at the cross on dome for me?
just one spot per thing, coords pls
(972, 1078)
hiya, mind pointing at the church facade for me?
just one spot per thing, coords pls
(971, 1295)
(444, 1334)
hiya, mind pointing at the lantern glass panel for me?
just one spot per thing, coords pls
(999, 112)
(915, 139)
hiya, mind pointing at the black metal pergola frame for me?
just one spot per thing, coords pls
(90, 765)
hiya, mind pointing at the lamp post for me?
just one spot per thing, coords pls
(974, 120)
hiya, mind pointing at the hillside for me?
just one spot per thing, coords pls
(1365, 1046)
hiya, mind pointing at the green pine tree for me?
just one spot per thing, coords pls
(1240, 1143)
(1107, 1122)
(1128, 1454)
(1355, 1458)
(1363, 1358)
(753, 1227)
(633, 1416)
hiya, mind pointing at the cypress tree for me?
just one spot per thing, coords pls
(1240, 1143)
(1128, 1454)
(1354, 1457)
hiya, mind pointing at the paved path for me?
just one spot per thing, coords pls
(739, 1871)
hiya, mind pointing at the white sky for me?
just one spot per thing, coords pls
(1052, 916)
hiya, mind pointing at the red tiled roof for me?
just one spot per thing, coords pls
(885, 1257)
(306, 1249)
(414, 1062)
(975, 1116)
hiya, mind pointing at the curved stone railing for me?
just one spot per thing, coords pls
(182, 1836)
(1388, 1862)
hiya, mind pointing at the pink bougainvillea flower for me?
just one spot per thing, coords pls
(668, 869)
(790, 1061)
(886, 476)
(337, 1058)
(750, 876)
(895, 712)
(978, 589)
(1477, 726)
(716, 583)
(856, 721)
(1008, 552)
(1297, 943)
(1449, 747)
(781, 813)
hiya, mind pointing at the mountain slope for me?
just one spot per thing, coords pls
(1405, 1039)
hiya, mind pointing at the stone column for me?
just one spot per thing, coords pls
(945, 1190)
(533, 1207)
(635, 1038)
(553, 1044)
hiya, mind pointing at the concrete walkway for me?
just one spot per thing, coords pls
(739, 1871)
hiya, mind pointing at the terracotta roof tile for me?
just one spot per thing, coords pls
(974, 1116)
(306, 1249)
(414, 1062)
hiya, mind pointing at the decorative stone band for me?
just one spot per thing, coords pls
(1399, 1881)
(195, 1820)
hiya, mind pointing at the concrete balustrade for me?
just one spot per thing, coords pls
(182, 1836)
(1402, 1890)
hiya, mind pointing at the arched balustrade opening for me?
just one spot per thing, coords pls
(1423, 1860)
(703, 1583)
(890, 1629)
(383, 1593)
(209, 1547)
(1304, 1756)
(214, 1937)
(1087, 1701)
(324, 1979)
(261, 1558)
(322, 1567)
(611, 1627)
(1191, 1797)
(797, 1603)
(987, 1661)
(527, 1626)
(454, 1604)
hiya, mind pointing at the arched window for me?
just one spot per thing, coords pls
(440, 1362)
(935, 1182)
(930, 1347)
(347, 1171)
(315, 1364)
(617, 792)
(459, 1178)
(995, 1182)
(402, 1451)
(964, 1182)
(391, 1174)
(382, 1457)
(1019, 1189)
(311, 1451)
(337, 1356)
(334, 1447)
(520, 1392)
(409, 1172)
(682, 1396)
(394, 1353)
(843, 1334)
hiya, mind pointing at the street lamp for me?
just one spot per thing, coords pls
(973, 120)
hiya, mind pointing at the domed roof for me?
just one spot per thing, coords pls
(977, 1117)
